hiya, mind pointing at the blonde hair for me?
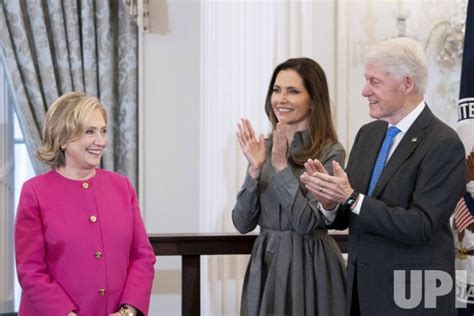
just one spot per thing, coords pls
(64, 122)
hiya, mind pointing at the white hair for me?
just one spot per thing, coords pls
(400, 57)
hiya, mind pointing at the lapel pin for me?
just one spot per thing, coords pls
(414, 139)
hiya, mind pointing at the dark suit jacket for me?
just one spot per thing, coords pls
(405, 224)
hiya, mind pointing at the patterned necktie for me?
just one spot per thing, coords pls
(382, 157)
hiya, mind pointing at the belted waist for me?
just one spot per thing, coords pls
(316, 234)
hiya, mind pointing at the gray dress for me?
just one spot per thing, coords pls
(295, 268)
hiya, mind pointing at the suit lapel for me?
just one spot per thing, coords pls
(362, 170)
(409, 142)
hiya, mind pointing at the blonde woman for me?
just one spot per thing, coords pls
(81, 246)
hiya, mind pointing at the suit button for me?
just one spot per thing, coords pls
(85, 185)
(93, 218)
(101, 292)
(98, 255)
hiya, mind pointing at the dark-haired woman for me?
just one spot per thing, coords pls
(295, 268)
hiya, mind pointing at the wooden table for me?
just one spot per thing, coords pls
(192, 246)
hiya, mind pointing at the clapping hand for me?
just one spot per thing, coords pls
(253, 149)
(329, 190)
(313, 183)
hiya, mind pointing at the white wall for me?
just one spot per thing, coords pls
(170, 114)
(171, 121)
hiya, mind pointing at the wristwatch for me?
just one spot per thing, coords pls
(125, 311)
(351, 200)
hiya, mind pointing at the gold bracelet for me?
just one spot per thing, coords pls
(125, 311)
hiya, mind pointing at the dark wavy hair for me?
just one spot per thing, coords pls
(321, 126)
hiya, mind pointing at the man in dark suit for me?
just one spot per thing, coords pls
(404, 176)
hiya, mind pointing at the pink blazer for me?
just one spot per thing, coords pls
(82, 246)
